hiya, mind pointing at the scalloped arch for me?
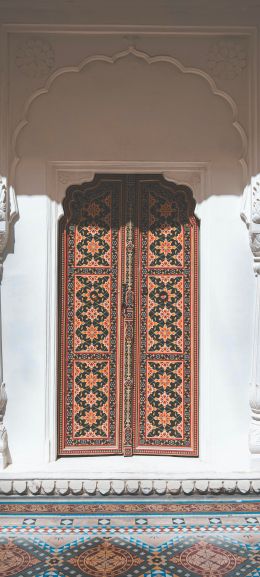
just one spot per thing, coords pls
(149, 60)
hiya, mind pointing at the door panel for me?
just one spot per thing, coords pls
(166, 325)
(90, 379)
(128, 318)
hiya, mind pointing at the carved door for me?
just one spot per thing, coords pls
(128, 318)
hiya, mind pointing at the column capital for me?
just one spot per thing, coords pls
(8, 216)
(250, 214)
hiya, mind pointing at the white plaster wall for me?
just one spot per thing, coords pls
(24, 340)
(225, 349)
(133, 111)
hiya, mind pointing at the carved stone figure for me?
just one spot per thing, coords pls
(251, 216)
(3, 215)
(8, 213)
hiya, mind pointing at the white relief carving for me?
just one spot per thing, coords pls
(106, 487)
(195, 180)
(61, 174)
(5, 458)
(71, 177)
(189, 178)
(256, 201)
(227, 59)
(149, 60)
(251, 216)
(3, 215)
(63, 177)
(8, 213)
(35, 57)
(131, 38)
(3, 402)
(255, 242)
(67, 177)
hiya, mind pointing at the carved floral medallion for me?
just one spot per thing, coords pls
(227, 59)
(106, 559)
(14, 560)
(35, 57)
(208, 560)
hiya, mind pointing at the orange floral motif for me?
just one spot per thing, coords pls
(92, 314)
(14, 559)
(93, 229)
(91, 398)
(165, 399)
(164, 407)
(93, 246)
(91, 405)
(92, 417)
(166, 418)
(92, 209)
(208, 560)
(165, 236)
(165, 314)
(165, 381)
(165, 332)
(92, 308)
(106, 560)
(167, 208)
(91, 332)
(93, 235)
(166, 247)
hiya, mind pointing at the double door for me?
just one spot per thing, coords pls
(128, 318)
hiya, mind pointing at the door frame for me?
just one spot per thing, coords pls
(60, 175)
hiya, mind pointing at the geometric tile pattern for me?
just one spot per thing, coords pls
(207, 559)
(131, 545)
(110, 555)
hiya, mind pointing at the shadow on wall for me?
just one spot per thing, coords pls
(131, 108)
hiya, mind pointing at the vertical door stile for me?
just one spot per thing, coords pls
(128, 310)
(166, 323)
(137, 407)
(91, 324)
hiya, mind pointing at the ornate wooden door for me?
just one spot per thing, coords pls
(128, 323)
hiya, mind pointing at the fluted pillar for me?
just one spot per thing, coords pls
(251, 216)
(8, 215)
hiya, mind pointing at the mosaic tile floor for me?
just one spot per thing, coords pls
(165, 538)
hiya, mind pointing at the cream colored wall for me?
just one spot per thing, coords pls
(89, 100)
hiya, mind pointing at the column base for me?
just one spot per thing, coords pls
(5, 457)
(254, 438)
(255, 463)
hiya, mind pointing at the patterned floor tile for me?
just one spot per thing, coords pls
(67, 522)
(155, 544)
(57, 543)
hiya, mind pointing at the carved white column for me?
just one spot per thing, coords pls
(251, 216)
(8, 215)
